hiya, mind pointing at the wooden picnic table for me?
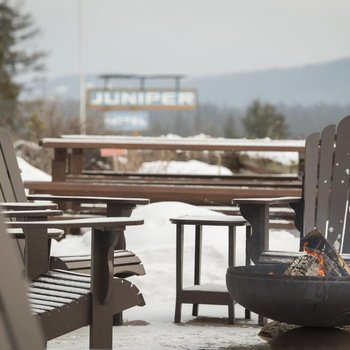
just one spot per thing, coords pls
(74, 145)
(70, 178)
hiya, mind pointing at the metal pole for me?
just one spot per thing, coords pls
(82, 104)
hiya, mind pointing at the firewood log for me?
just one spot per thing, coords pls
(321, 260)
(306, 265)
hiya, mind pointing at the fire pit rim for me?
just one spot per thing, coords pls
(246, 271)
(302, 300)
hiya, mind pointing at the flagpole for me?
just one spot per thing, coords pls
(82, 100)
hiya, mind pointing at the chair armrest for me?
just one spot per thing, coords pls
(256, 212)
(88, 199)
(52, 233)
(115, 207)
(267, 201)
(64, 224)
(31, 213)
(27, 206)
(104, 236)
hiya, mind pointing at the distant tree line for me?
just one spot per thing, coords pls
(260, 119)
(16, 59)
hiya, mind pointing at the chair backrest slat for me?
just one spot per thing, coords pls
(346, 244)
(11, 184)
(340, 186)
(310, 181)
(12, 187)
(325, 177)
(326, 184)
(6, 193)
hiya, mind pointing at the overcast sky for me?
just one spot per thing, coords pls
(193, 37)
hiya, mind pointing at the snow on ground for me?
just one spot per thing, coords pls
(193, 166)
(154, 242)
(31, 173)
(284, 158)
(151, 326)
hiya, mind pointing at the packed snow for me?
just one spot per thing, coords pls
(193, 166)
(151, 326)
(31, 173)
(284, 158)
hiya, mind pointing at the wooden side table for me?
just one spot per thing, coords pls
(204, 294)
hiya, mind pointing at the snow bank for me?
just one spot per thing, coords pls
(195, 167)
(31, 173)
(284, 158)
(154, 243)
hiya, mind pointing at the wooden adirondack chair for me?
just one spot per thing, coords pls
(18, 328)
(325, 201)
(63, 301)
(125, 262)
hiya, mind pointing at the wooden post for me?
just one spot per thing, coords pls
(58, 165)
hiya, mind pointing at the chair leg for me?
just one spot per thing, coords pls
(118, 319)
(178, 306)
(195, 310)
(101, 327)
(101, 333)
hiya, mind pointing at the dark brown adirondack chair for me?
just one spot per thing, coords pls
(125, 262)
(18, 328)
(324, 204)
(63, 301)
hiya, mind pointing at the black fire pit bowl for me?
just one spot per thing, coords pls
(299, 300)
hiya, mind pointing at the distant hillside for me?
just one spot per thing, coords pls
(327, 83)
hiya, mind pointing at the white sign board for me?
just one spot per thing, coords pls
(142, 99)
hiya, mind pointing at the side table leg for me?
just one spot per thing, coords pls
(247, 313)
(179, 270)
(197, 262)
(231, 263)
(178, 305)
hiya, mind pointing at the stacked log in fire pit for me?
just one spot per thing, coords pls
(321, 259)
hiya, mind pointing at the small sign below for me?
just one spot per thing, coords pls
(127, 121)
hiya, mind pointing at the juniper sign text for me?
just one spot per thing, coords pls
(141, 99)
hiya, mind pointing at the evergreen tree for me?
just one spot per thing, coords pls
(263, 120)
(229, 127)
(16, 29)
